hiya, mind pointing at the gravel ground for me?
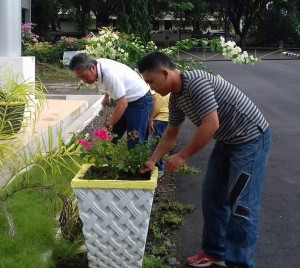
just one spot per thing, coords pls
(96, 123)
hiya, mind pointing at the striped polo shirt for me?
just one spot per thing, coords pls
(239, 119)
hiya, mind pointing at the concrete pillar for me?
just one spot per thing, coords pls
(10, 39)
(10, 28)
(10, 43)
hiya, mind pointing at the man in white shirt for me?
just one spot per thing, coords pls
(126, 87)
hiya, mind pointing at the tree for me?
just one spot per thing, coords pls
(158, 8)
(198, 16)
(133, 18)
(218, 10)
(245, 13)
(179, 9)
(103, 10)
(80, 13)
(241, 13)
(287, 16)
(43, 14)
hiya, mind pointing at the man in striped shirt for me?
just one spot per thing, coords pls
(234, 178)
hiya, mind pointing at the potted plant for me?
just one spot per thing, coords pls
(114, 207)
(18, 97)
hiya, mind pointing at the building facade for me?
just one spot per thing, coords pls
(26, 11)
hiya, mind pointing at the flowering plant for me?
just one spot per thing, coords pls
(105, 45)
(128, 49)
(28, 37)
(114, 160)
(233, 52)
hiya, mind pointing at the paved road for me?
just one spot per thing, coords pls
(275, 88)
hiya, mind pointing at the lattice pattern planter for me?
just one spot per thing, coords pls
(115, 217)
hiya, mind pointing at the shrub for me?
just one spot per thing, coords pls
(46, 52)
(43, 52)
(114, 159)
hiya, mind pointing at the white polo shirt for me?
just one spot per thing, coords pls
(118, 80)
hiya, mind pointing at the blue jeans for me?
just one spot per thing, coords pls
(231, 197)
(159, 129)
(135, 118)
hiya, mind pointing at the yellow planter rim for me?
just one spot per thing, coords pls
(79, 182)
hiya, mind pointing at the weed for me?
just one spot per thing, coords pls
(157, 232)
(172, 219)
(186, 169)
(152, 262)
(160, 251)
(67, 254)
(165, 219)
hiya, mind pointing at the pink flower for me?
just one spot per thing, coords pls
(102, 134)
(85, 144)
(88, 36)
(26, 27)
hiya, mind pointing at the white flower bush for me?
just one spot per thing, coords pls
(233, 52)
(105, 45)
(130, 49)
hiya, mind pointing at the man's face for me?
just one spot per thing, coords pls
(157, 80)
(88, 76)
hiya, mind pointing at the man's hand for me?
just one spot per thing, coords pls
(150, 127)
(175, 162)
(147, 167)
(105, 101)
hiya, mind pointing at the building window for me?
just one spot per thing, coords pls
(168, 25)
(23, 15)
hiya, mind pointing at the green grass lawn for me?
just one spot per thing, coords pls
(46, 71)
(34, 213)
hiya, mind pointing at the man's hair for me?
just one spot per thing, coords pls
(155, 60)
(81, 61)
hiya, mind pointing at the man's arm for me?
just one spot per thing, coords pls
(204, 133)
(202, 136)
(105, 101)
(119, 110)
(165, 144)
(153, 114)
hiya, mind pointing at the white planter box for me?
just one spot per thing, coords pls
(115, 217)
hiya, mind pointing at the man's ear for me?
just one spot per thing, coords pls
(165, 73)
